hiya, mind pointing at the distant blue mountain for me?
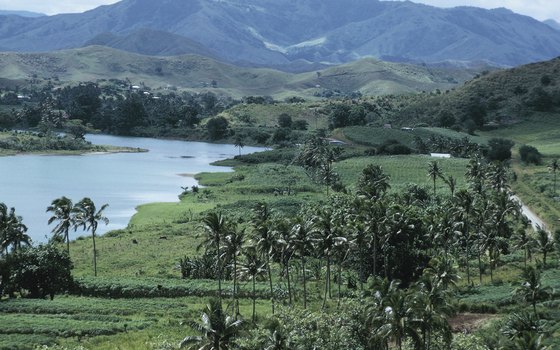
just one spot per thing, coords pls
(280, 32)
(21, 13)
(554, 24)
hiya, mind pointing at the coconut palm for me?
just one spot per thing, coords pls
(432, 302)
(325, 232)
(283, 250)
(544, 243)
(254, 268)
(398, 320)
(217, 329)
(3, 222)
(14, 232)
(531, 290)
(553, 167)
(88, 217)
(301, 243)
(522, 240)
(441, 270)
(264, 240)
(233, 242)
(434, 172)
(464, 207)
(239, 144)
(498, 177)
(62, 212)
(522, 322)
(451, 182)
(215, 228)
(476, 174)
(373, 183)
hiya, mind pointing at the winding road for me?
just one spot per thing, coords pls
(535, 220)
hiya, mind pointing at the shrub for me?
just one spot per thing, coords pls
(530, 155)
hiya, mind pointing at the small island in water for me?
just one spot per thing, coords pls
(30, 142)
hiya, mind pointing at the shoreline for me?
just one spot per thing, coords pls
(47, 153)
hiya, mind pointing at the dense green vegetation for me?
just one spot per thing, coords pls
(365, 244)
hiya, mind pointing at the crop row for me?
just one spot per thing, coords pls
(158, 288)
(63, 326)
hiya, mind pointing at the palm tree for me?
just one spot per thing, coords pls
(62, 212)
(496, 239)
(239, 143)
(553, 167)
(451, 183)
(544, 243)
(252, 267)
(373, 183)
(531, 290)
(522, 322)
(325, 236)
(301, 243)
(216, 227)
(14, 232)
(398, 320)
(3, 222)
(218, 330)
(233, 242)
(476, 174)
(434, 172)
(264, 240)
(283, 249)
(441, 271)
(464, 206)
(88, 217)
(524, 241)
(498, 177)
(433, 307)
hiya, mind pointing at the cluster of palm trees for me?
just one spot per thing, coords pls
(83, 214)
(69, 216)
(13, 234)
(373, 233)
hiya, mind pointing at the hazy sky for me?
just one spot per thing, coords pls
(539, 9)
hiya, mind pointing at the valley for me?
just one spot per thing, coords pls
(272, 175)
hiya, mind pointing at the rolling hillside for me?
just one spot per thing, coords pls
(196, 72)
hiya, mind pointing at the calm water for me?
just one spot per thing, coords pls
(123, 180)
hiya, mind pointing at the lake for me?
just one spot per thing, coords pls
(123, 180)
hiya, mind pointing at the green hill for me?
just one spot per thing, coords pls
(190, 72)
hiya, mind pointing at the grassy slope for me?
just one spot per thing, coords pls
(197, 73)
(535, 183)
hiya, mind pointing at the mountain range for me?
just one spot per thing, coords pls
(287, 33)
(21, 13)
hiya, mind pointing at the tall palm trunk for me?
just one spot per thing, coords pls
(235, 301)
(327, 281)
(94, 253)
(67, 243)
(374, 254)
(289, 284)
(339, 282)
(304, 283)
(270, 281)
(219, 271)
(254, 297)
(362, 263)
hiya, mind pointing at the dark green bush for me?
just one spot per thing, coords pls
(530, 155)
